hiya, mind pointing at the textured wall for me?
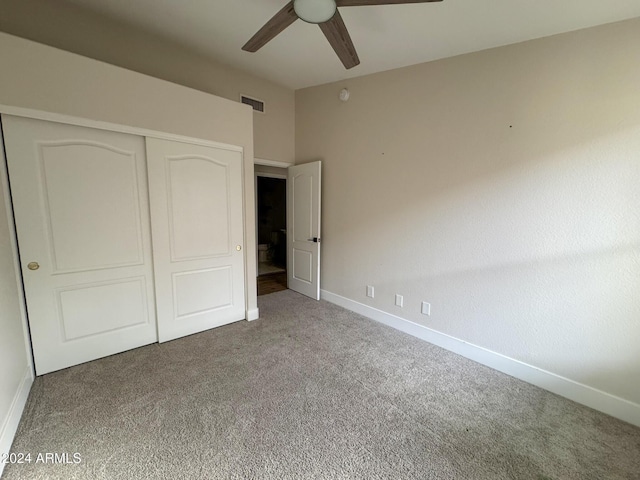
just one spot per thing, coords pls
(72, 28)
(500, 186)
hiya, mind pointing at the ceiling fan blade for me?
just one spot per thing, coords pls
(362, 3)
(272, 28)
(338, 36)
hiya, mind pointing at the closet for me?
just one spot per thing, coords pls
(124, 240)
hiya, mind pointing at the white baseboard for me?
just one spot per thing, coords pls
(10, 422)
(253, 314)
(565, 387)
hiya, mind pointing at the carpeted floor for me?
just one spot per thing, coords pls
(311, 391)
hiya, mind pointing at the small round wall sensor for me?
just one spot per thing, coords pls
(344, 94)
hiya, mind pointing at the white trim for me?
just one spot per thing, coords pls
(565, 387)
(245, 238)
(271, 163)
(113, 127)
(10, 423)
(255, 205)
(13, 239)
(253, 314)
(271, 175)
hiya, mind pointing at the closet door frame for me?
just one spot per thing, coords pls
(250, 314)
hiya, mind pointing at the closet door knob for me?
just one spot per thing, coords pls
(238, 247)
(33, 266)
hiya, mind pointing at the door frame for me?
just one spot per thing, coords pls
(271, 163)
(281, 176)
(250, 314)
(266, 163)
(13, 240)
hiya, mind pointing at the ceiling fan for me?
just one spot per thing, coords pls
(325, 14)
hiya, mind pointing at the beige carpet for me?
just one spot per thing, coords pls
(311, 391)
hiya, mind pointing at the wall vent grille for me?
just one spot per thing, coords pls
(257, 105)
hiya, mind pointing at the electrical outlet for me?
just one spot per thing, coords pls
(399, 300)
(370, 291)
(426, 308)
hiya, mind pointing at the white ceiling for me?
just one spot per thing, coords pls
(385, 37)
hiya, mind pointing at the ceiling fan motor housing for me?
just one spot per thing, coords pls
(315, 11)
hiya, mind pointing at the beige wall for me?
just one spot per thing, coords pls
(503, 188)
(74, 29)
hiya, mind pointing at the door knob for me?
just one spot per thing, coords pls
(238, 247)
(314, 240)
(33, 266)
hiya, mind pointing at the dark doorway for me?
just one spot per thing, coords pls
(272, 234)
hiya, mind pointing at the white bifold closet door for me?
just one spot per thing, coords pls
(81, 208)
(197, 223)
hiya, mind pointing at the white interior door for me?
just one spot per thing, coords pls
(197, 222)
(303, 229)
(81, 210)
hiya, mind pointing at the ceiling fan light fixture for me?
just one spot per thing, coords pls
(315, 11)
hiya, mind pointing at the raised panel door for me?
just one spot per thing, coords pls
(81, 208)
(196, 215)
